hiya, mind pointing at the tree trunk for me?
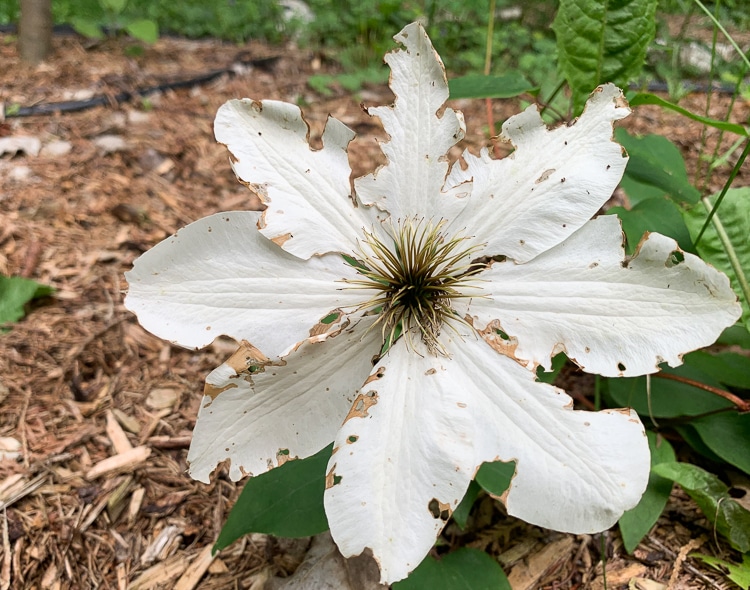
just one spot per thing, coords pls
(35, 30)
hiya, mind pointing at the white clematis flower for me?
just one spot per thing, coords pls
(470, 277)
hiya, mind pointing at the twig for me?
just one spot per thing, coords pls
(685, 565)
(32, 259)
(742, 405)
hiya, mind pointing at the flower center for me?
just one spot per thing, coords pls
(416, 272)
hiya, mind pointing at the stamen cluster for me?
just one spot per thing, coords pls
(416, 275)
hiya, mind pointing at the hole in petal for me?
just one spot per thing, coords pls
(621, 367)
(675, 258)
(439, 510)
(352, 439)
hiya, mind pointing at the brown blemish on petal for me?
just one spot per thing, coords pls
(376, 375)
(282, 239)
(247, 356)
(240, 362)
(282, 456)
(545, 175)
(360, 406)
(331, 478)
(430, 371)
(213, 392)
(322, 327)
(504, 347)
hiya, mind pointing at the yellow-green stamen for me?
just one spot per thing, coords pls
(416, 276)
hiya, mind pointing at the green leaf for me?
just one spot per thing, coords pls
(655, 168)
(144, 30)
(637, 522)
(116, 6)
(495, 477)
(725, 243)
(653, 215)
(602, 41)
(461, 513)
(728, 435)
(15, 293)
(648, 98)
(712, 497)
(87, 28)
(736, 335)
(739, 573)
(480, 86)
(669, 398)
(464, 569)
(558, 362)
(730, 368)
(286, 502)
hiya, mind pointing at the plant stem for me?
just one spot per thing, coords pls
(712, 209)
(742, 405)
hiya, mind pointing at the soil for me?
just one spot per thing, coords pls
(82, 383)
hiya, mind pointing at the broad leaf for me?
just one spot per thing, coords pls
(728, 435)
(669, 398)
(655, 168)
(461, 513)
(480, 86)
(739, 573)
(647, 98)
(712, 497)
(733, 258)
(87, 28)
(654, 215)
(637, 522)
(602, 41)
(464, 569)
(15, 292)
(286, 501)
(144, 30)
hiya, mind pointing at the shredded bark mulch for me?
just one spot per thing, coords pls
(99, 496)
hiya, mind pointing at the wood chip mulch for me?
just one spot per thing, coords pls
(103, 412)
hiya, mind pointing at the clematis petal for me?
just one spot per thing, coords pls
(550, 186)
(220, 276)
(576, 471)
(611, 316)
(310, 209)
(419, 138)
(289, 410)
(402, 461)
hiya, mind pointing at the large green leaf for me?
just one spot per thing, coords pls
(654, 215)
(727, 435)
(669, 398)
(725, 243)
(637, 522)
(655, 168)
(286, 502)
(480, 86)
(464, 569)
(15, 293)
(647, 98)
(712, 497)
(602, 41)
